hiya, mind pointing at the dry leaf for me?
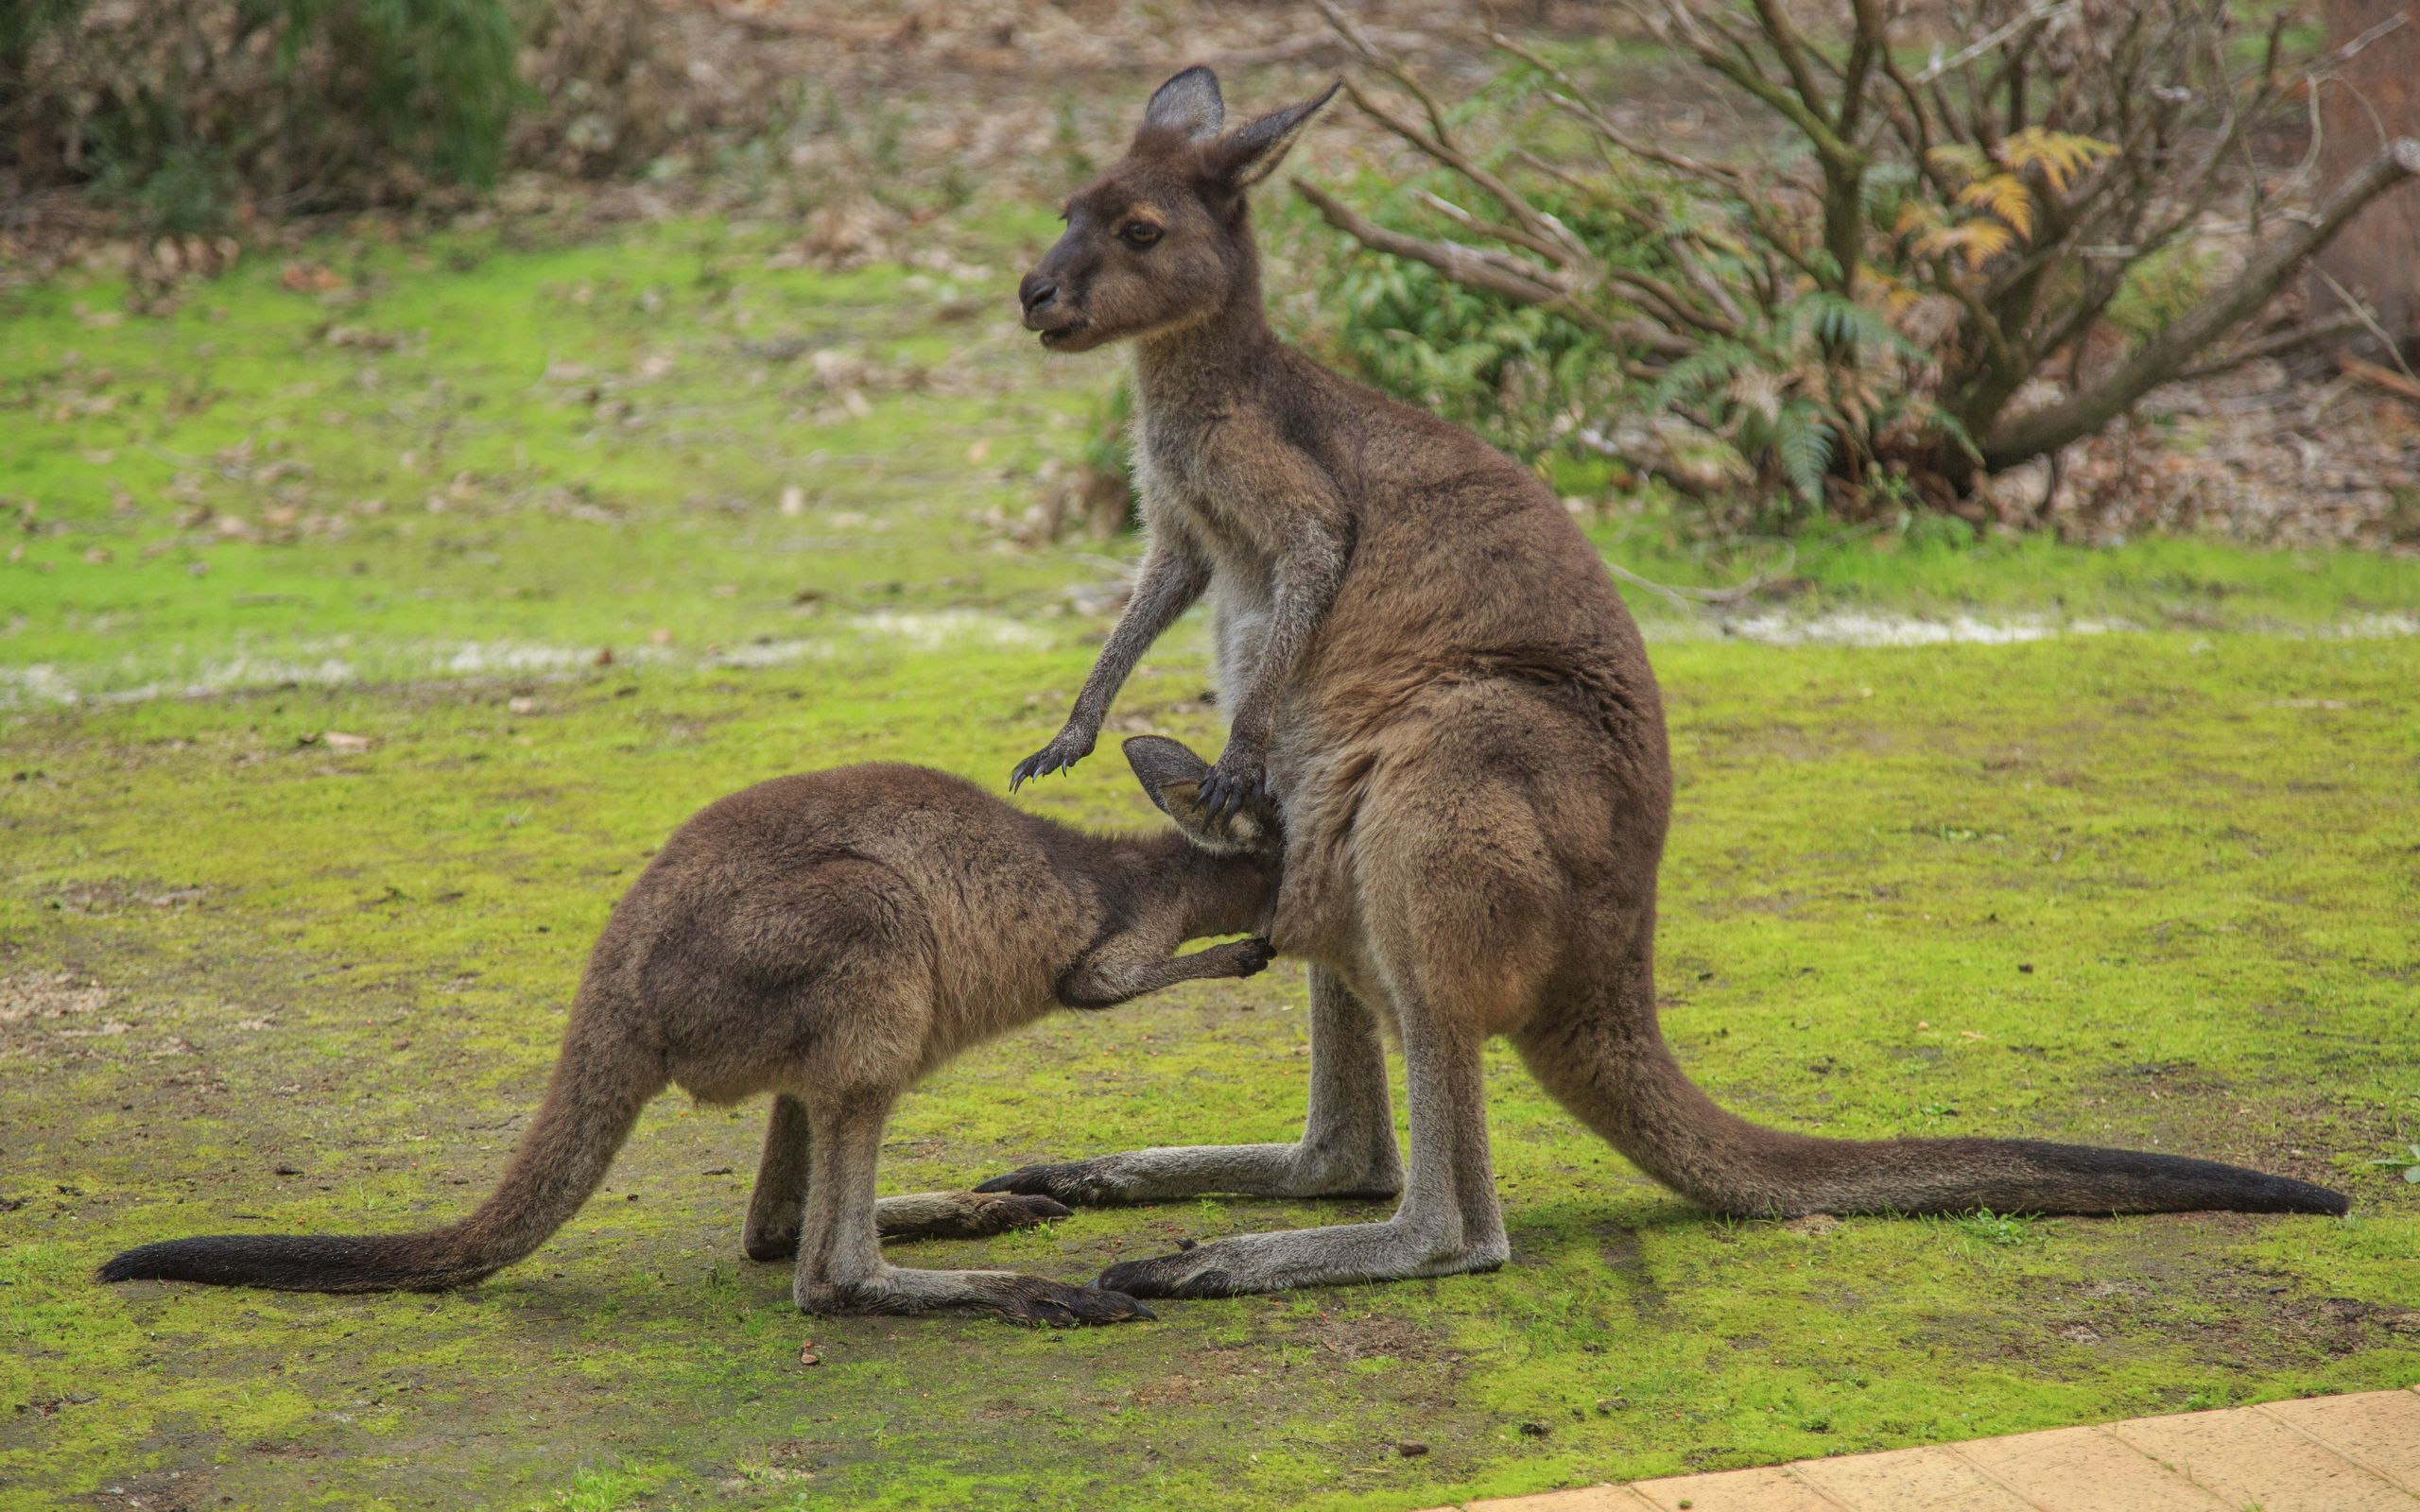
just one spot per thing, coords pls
(317, 278)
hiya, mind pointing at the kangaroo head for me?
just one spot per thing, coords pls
(1161, 242)
(1172, 775)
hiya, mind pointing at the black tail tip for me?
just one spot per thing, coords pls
(2302, 1196)
(2259, 1192)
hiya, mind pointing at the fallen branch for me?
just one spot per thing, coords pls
(2377, 377)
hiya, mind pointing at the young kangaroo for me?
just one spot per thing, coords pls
(830, 938)
(1432, 668)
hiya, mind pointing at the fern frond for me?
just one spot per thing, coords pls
(1838, 321)
(2060, 155)
(2005, 195)
(1959, 159)
(1977, 241)
(1803, 442)
(1917, 216)
(1700, 370)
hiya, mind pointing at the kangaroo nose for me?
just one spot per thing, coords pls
(1036, 291)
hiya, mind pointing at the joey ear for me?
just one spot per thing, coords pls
(1252, 151)
(1160, 763)
(1188, 104)
(1171, 776)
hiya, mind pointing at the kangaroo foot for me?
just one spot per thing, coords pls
(1305, 1257)
(1003, 1294)
(1032, 1300)
(964, 1214)
(1183, 1172)
(772, 1245)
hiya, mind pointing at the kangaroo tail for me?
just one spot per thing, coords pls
(1620, 1079)
(598, 1087)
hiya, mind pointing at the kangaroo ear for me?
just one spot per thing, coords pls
(1188, 104)
(1252, 151)
(1171, 776)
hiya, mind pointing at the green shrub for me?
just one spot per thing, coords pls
(1516, 373)
(1887, 295)
(178, 109)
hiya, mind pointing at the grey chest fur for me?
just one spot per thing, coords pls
(1177, 472)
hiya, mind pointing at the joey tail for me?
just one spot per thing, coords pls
(599, 1085)
(1618, 1077)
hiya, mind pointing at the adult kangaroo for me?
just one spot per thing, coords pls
(829, 939)
(1428, 664)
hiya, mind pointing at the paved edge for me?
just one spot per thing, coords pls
(2350, 1454)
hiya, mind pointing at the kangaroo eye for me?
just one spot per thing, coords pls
(1138, 233)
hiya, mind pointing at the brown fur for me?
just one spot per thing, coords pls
(828, 939)
(1430, 666)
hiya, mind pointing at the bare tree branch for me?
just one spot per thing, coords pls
(1475, 268)
(2164, 356)
(2277, 343)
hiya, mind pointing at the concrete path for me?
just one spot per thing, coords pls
(2358, 1453)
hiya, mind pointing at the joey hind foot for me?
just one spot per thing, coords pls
(1085, 1183)
(1070, 745)
(975, 1215)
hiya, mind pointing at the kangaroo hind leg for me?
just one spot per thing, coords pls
(1460, 903)
(840, 1267)
(1347, 1148)
(777, 1209)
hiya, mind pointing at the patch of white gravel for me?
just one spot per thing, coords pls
(1862, 627)
(1855, 627)
(343, 663)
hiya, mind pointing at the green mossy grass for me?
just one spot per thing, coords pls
(2150, 888)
